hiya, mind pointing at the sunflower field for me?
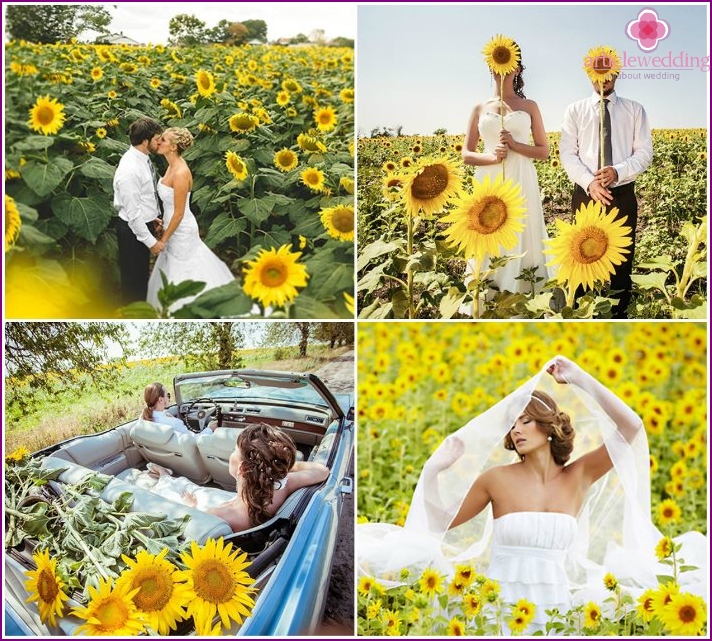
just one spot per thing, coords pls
(272, 165)
(412, 243)
(420, 382)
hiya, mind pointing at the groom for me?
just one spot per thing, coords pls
(136, 201)
(628, 150)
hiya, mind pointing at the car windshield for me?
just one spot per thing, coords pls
(231, 387)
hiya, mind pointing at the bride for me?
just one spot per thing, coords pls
(573, 507)
(183, 255)
(511, 145)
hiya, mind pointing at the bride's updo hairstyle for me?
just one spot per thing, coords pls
(180, 137)
(518, 82)
(553, 422)
(268, 454)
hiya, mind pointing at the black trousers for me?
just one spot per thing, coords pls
(624, 199)
(134, 258)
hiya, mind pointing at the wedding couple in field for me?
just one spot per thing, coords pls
(627, 150)
(154, 218)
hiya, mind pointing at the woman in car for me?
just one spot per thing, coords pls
(157, 399)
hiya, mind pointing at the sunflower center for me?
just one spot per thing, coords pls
(45, 115)
(430, 183)
(273, 274)
(112, 614)
(687, 614)
(204, 82)
(486, 216)
(285, 159)
(312, 178)
(590, 245)
(213, 582)
(324, 117)
(594, 615)
(501, 55)
(47, 586)
(156, 590)
(343, 219)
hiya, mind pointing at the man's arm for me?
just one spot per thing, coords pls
(642, 152)
(128, 185)
(569, 151)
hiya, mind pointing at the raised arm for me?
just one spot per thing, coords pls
(305, 473)
(628, 423)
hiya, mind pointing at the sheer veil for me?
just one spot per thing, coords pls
(615, 532)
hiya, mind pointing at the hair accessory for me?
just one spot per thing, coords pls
(548, 438)
(536, 398)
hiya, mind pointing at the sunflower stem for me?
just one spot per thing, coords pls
(501, 111)
(600, 129)
(570, 294)
(478, 283)
(410, 271)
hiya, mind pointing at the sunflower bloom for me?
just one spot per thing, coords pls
(160, 599)
(47, 116)
(455, 628)
(645, 605)
(601, 63)
(610, 581)
(664, 548)
(668, 512)
(243, 123)
(591, 616)
(587, 250)
(347, 184)
(501, 55)
(205, 82)
(286, 160)
(97, 73)
(391, 623)
(430, 185)
(273, 277)
(110, 611)
(685, 615)
(339, 221)
(218, 584)
(346, 95)
(517, 623)
(310, 143)
(313, 178)
(13, 222)
(45, 586)
(471, 604)
(488, 220)
(21, 452)
(431, 583)
(365, 583)
(527, 608)
(236, 165)
(325, 118)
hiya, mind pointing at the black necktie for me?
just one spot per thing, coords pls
(154, 177)
(607, 145)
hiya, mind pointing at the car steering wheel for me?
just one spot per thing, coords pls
(203, 415)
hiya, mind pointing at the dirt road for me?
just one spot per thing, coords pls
(339, 613)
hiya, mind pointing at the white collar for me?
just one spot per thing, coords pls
(596, 98)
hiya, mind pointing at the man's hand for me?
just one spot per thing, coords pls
(606, 176)
(158, 247)
(599, 193)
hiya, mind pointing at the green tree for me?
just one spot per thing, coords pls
(186, 30)
(335, 334)
(441, 131)
(202, 346)
(236, 34)
(49, 23)
(301, 333)
(340, 41)
(218, 33)
(48, 357)
(256, 30)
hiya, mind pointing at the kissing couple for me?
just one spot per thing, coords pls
(154, 218)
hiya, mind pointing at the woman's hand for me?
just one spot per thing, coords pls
(449, 452)
(564, 370)
(189, 499)
(500, 153)
(506, 138)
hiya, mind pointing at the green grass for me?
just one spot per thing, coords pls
(85, 408)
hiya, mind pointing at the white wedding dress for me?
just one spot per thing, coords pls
(185, 257)
(521, 170)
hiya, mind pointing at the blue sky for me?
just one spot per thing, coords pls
(421, 66)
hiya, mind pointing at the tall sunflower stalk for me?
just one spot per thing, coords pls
(502, 56)
(601, 64)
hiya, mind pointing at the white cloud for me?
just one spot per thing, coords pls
(148, 21)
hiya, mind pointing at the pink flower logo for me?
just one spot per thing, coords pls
(648, 30)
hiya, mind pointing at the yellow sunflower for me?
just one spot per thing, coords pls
(309, 143)
(313, 178)
(13, 222)
(283, 98)
(391, 623)
(591, 615)
(465, 573)
(21, 452)
(471, 604)
(205, 82)
(47, 115)
(518, 623)
(97, 73)
(389, 166)
(488, 220)
(243, 123)
(601, 63)
(668, 512)
(160, 599)
(101, 132)
(645, 605)
(325, 118)
(155, 83)
(218, 584)
(45, 586)
(346, 95)
(286, 160)
(430, 185)
(455, 628)
(236, 165)
(501, 55)
(339, 221)
(365, 583)
(587, 250)
(273, 277)
(664, 548)
(685, 615)
(391, 186)
(110, 611)
(527, 608)
(610, 581)
(347, 184)
(112, 94)
(431, 583)
(291, 85)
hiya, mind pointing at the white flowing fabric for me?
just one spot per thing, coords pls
(521, 170)
(185, 257)
(613, 531)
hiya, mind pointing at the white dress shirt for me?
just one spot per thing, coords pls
(135, 195)
(579, 147)
(179, 427)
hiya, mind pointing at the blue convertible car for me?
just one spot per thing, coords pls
(290, 555)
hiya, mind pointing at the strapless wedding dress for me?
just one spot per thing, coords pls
(186, 256)
(521, 170)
